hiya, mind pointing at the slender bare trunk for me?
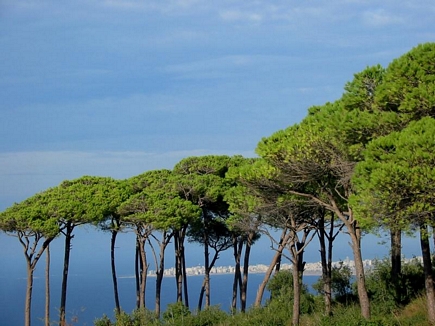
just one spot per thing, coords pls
(185, 287)
(28, 304)
(355, 235)
(180, 266)
(244, 287)
(159, 279)
(143, 273)
(297, 253)
(296, 295)
(160, 270)
(237, 246)
(273, 264)
(354, 232)
(137, 274)
(207, 276)
(178, 269)
(62, 309)
(428, 274)
(47, 286)
(331, 239)
(113, 266)
(396, 260)
(326, 265)
(266, 278)
(32, 255)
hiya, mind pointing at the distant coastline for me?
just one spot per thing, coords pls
(311, 269)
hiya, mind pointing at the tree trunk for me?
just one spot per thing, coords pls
(114, 277)
(159, 279)
(266, 278)
(274, 263)
(428, 274)
(47, 286)
(32, 256)
(206, 276)
(178, 273)
(68, 237)
(296, 294)
(244, 287)
(143, 273)
(201, 295)
(237, 245)
(355, 235)
(207, 273)
(396, 261)
(185, 287)
(331, 239)
(137, 274)
(354, 232)
(326, 265)
(159, 274)
(29, 288)
(297, 253)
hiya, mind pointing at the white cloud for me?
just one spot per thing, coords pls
(165, 7)
(225, 66)
(235, 15)
(379, 18)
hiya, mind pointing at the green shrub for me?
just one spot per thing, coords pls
(103, 321)
(382, 291)
(208, 317)
(175, 314)
(281, 290)
(341, 286)
(137, 318)
(273, 315)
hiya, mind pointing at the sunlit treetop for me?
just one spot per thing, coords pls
(397, 177)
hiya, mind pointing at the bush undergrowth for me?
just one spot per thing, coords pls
(387, 309)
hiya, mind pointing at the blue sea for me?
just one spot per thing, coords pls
(91, 296)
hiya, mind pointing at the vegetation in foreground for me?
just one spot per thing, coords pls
(278, 310)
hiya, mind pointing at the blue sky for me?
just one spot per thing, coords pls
(119, 87)
(115, 88)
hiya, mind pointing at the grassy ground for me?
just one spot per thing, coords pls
(275, 315)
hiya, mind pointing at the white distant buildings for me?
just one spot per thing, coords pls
(310, 268)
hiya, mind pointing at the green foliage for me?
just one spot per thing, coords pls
(31, 216)
(155, 201)
(280, 315)
(85, 200)
(175, 313)
(360, 92)
(281, 292)
(138, 317)
(207, 317)
(382, 290)
(270, 315)
(281, 284)
(409, 85)
(349, 315)
(396, 180)
(340, 282)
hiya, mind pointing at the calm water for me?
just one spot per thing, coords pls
(91, 296)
